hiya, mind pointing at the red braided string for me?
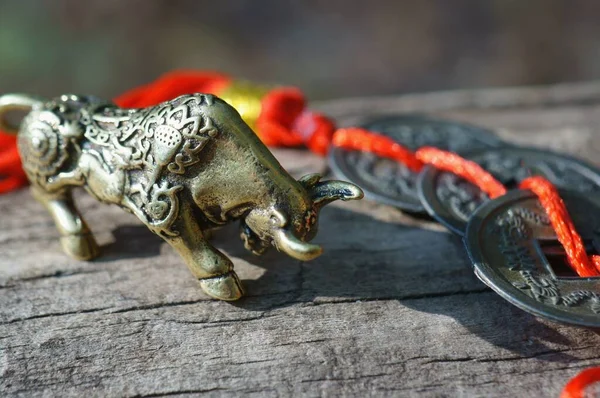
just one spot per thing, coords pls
(358, 139)
(172, 85)
(576, 387)
(563, 225)
(467, 169)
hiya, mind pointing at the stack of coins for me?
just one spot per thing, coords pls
(511, 243)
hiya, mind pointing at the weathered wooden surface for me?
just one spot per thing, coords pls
(391, 309)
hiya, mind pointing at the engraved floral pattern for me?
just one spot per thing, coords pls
(144, 146)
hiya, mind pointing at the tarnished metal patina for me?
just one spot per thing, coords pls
(183, 167)
(515, 251)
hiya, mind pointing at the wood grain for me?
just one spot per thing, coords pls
(391, 309)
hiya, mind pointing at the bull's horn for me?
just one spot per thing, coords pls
(15, 102)
(286, 242)
(328, 191)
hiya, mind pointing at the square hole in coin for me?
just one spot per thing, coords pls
(555, 255)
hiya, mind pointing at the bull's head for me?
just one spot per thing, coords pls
(293, 222)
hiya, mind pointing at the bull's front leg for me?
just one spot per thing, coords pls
(76, 238)
(212, 268)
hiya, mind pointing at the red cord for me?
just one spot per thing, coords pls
(172, 85)
(466, 169)
(576, 387)
(563, 225)
(363, 140)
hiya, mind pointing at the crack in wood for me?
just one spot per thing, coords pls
(178, 392)
(55, 314)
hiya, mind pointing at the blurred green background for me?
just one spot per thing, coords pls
(329, 48)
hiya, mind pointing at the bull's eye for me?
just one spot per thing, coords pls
(310, 219)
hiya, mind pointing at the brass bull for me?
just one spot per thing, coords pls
(183, 167)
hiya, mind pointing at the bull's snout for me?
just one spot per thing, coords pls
(262, 228)
(290, 233)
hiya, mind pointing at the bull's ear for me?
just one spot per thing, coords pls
(326, 192)
(309, 180)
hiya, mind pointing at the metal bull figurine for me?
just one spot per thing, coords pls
(182, 167)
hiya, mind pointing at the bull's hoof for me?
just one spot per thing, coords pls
(80, 247)
(223, 287)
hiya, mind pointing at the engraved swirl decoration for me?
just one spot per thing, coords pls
(42, 147)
